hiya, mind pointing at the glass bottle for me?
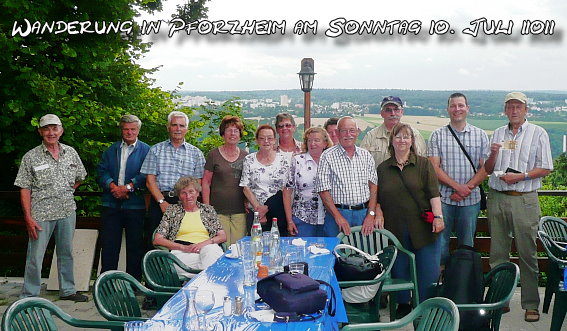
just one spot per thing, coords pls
(190, 317)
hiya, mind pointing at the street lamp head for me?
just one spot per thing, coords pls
(307, 74)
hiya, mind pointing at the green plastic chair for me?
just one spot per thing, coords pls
(558, 255)
(556, 229)
(159, 271)
(501, 281)
(368, 312)
(36, 314)
(435, 314)
(115, 298)
(373, 244)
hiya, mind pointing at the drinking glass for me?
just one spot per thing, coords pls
(296, 268)
(249, 277)
(246, 250)
(266, 242)
(204, 302)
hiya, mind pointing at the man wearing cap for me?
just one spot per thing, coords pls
(123, 206)
(346, 181)
(376, 140)
(165, 163)
(520, 155)
(48, 177)
(458, 177)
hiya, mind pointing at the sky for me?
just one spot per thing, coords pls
(455, 61)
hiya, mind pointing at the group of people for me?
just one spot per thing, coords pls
(320, 186)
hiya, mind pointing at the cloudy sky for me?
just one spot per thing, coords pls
(449, 62)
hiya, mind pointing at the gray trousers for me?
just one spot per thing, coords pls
(516, 217)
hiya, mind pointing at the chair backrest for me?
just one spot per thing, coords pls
(501, 281)
(371, 244)
(554, 227)
(159, 271)
(36, 314)
(555, 252)
(115, 298)
(436, 314)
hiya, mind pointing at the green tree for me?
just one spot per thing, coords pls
(89, 80)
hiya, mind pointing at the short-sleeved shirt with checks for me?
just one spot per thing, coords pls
(169, 164)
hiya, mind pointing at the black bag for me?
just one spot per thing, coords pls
(482, 198)
(295, 293)
(463, 282)
(356, 266)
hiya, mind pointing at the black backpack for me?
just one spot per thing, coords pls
(463, 282)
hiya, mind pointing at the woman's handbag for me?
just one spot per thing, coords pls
(358, 265)
(295, 294)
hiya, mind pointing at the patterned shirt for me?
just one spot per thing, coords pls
(376, 142)
(532, 151)
(264, 180)
(307, 205)
(453, 161)
(171, 221)
(51, 181)
(169, 164)
(346, 179)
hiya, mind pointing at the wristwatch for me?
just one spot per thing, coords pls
(526, 176)
(129, 188)
(372, 213)
(160, 201)
(438, 216)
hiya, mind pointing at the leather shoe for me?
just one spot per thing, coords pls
(77, 297)
(531, 315)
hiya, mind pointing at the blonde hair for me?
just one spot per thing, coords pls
(322, 131)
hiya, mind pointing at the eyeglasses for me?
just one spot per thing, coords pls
(286, 125)
(391, 110)
(402, 137)
(353, 131)
(266, 138)
(316, 140)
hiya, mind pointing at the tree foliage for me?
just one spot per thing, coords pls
(89, 80)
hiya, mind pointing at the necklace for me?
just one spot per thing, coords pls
(402, 164)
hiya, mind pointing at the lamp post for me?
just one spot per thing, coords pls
(306, 77)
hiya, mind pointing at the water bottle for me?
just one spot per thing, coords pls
(275, 255)
(256, 234)
(275, 231)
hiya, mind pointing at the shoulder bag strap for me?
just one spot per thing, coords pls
(411, 193)
(462, 147)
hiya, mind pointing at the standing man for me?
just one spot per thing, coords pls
(165, 163)
(123, 205)
(331, 127)
(48, 177)
(346, 181)
(520, 155)
(458, 180)
(376, 140)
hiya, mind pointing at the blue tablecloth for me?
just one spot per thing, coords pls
(224, 278)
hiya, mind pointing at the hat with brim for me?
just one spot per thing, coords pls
(516, 96)
(391, 100)
(48, 120)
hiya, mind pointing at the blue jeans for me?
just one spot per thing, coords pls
(64, 229)
(113, 220)
(427, 260)
(308, 230)
(354, 218)
(459, 219)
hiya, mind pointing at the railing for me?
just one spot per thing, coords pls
(13, 235)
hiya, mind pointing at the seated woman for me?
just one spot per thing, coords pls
(190, 229)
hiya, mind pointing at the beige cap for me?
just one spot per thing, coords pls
(516, 96)
(49, 119)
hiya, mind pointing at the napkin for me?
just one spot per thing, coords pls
(263, 315)
(298, 242)
(316, 250)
